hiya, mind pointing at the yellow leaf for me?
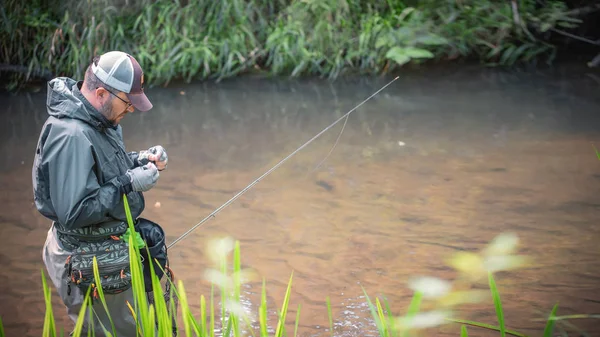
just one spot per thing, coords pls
(504, 262)
(430, 287)
(422, 320)
(464, 297)
(503, 244)
(468, 263)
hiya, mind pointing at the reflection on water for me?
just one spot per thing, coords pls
(438, 162)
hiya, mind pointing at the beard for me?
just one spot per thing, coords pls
(106, 110)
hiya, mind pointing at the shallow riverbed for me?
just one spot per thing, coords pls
(440, 161)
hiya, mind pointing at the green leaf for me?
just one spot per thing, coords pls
(49, 329)
(397, 54)
(262, 311)
(485, 326)
(381, 42)
(330, 315)
(297, 321)
(101, 293)
(405, 12)
(382, 318)
(284, 306)
(550, 325)
(413, 308)
(378, 322)
(545, 26)
(432, 40)
(463, 331)
(497, 304)
(597, 153)
(139, 242)
(418, 53)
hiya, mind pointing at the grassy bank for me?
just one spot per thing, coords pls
(435, 301)
(201, 39)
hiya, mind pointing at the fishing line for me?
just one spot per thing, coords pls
(211, 215)
(333, 147)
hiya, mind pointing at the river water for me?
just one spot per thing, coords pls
(441, 161)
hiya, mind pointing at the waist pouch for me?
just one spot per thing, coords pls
(111, 252)
(112, 255)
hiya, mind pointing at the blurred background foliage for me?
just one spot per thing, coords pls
(205, 39)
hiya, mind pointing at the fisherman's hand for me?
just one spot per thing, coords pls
(156, 154)
(159, 157)
(143, 178)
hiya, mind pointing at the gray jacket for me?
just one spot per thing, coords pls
(79, 166)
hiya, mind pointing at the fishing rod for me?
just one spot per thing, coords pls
(212, 215)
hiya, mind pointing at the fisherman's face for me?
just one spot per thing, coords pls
(116, 108)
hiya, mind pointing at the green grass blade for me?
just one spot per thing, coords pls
(237, 285)
(92, 330)
(485, 326)
(262, 312)
(497, 304)
(550, 325)
(127, 211)
(203, 326)
(81, 315)
(248, 323)
(185, 309)
(330, 315)
(296, 323)
(286, 301)
(224, 290)
(197, 329)
(415, 304)
(382, 318)
(1, 328)
(463, 331)
(101, 294)
(49, 329)
(228, 328)
(151, 315)
(165, 324)
(576, 316)
(597, 153)
(413, 308)
(106, 332)
(212, 311)
(374, 314)
(390, 317)
(137, 280)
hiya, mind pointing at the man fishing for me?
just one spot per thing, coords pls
(80, 173)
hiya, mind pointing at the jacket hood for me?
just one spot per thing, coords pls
(64, 100)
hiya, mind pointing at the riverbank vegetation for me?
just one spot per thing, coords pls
(434, 302)
(201, 39)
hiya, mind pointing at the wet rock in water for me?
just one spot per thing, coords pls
(325, 185)
(413, 220)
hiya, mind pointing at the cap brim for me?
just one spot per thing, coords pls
(140, 101)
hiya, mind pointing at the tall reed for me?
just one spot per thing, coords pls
(203, 39)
